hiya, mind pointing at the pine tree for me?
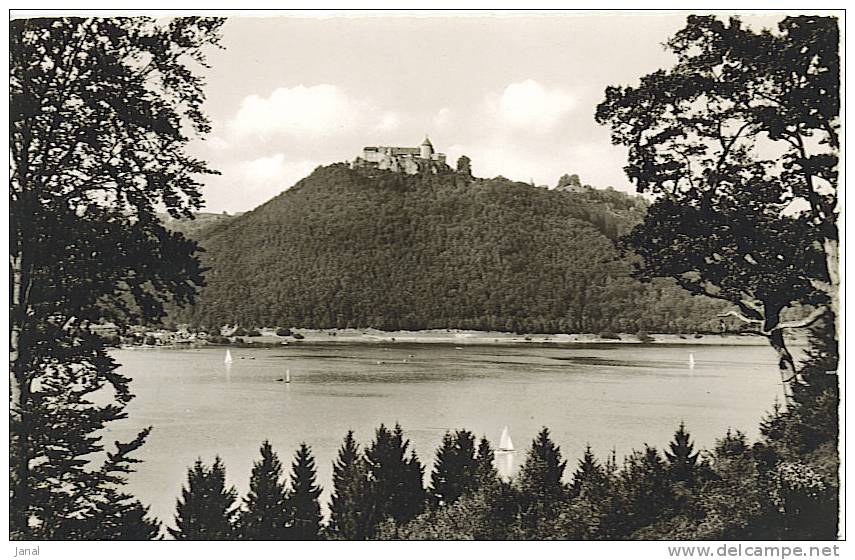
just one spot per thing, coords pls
(397, 489)
(120, 517)
(455, 468)
(593, 491)
(442, 465)
(611, 463)
(303, 507)
(412, 497)
(733, 444)
(540, 475)
(265, 515)
(206, 509)
(123, 521)
(350, 505)
(541, 492)
(681, 460)
(68, 498)
(645, 491)
(485, 470)
(590, 478)
(115, 515)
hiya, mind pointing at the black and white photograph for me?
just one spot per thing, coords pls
(427, 275)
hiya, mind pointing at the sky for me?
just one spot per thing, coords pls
(516, 93)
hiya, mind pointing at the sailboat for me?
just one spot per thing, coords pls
(228, 359)
(691, 361)
(505, 443)
(505, 455)
(287, 376)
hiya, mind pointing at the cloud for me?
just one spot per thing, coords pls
(275, 170)
(218, 143)
(443, 118)
(263, 169)
(388, 121)
(246, 184)
(315, 111)
(529, 105)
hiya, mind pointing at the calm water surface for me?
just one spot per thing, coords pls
(611, 396)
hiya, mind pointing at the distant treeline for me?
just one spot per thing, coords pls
(368, 248)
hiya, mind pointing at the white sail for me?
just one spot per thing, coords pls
(505, 443)
(691, 360)
(228, 359)
(287, 376)
(505, 455)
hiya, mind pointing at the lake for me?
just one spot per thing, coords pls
(613, 396)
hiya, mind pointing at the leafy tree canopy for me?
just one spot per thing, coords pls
(101, 110)
(739, 142)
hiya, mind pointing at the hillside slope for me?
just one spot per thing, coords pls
(359, 248)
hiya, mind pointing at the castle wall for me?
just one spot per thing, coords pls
(399, 159)
(373, 156)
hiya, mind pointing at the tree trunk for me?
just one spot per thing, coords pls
(19, 396)
(786, 364)
(832, 262)
(775, 334)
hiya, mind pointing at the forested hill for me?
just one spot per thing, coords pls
(360, 248)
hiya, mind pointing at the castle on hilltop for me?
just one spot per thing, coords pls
(402, 160)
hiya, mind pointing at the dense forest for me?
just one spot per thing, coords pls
(369, 248)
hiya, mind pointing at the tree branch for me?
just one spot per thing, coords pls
(740, 316)
(797, 324)
(812, 318)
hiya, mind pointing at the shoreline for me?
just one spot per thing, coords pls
(469, 337)
(457, 337)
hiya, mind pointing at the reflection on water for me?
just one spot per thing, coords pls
(505, 464)
(613, 397)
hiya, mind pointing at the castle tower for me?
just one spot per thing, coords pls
(426, 149)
